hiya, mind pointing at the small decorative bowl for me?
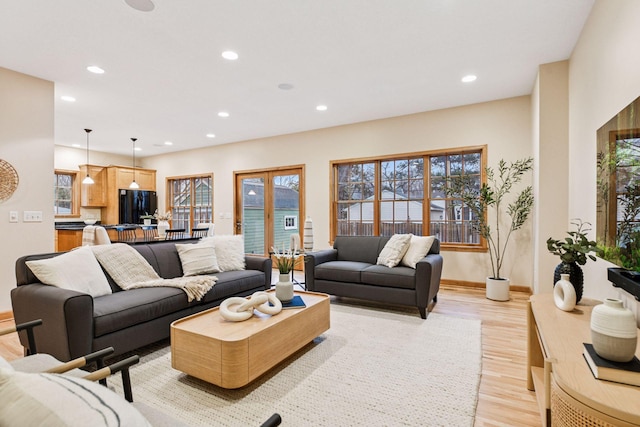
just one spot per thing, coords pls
(90, 221)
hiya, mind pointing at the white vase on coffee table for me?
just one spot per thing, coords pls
(284, 288)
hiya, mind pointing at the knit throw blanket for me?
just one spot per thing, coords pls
(130, 270)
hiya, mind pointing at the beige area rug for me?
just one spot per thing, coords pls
(373, 368)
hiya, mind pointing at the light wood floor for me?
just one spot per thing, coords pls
(503, 397)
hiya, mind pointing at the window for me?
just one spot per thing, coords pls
(66, 193)
(190, 200)
(381, 197)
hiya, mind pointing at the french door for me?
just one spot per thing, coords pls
(269, 208)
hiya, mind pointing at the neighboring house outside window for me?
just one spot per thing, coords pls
(66, 193)
(190, 200)
(385, 196)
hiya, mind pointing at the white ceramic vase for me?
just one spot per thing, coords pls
(163, 226)
(284, 288)
(564, 294)
(307, 240)
(497, 289)
(614, 333)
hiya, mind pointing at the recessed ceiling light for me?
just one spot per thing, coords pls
(223, 114)
(230, 55)
(168, 143)
(95, 69)
(285, 86)
(76, 145)
(141, 5)
(211, 135)
(321, 108)
(68, 98)
(470, 78)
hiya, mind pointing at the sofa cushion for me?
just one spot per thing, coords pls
(199, 258)
(359, 248)
(28, 399)
(418, 248)
(229, 251)
(232, 283)
(394, 250)
(341, 271)
(396, 277)
(124, 309)
(77, 270)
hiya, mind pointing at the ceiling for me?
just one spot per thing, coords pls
(165, 78)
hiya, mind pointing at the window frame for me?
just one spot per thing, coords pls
(426, 199)
(75, 193)
(192, 190)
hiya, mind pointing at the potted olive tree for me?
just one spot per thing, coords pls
(573, 251)
(493, 196)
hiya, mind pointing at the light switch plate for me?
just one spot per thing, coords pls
(32, 216)
(13, 216)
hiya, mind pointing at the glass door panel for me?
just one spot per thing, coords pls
(269, 209)
(286, 211)
(253, 215)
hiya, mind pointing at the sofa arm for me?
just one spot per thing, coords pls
(260, 263)
(311, 259)
(428, 273)
(67, 319)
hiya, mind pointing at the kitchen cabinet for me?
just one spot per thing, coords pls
(93, 195)
(120, 177)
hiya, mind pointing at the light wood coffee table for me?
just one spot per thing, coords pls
(232, 354)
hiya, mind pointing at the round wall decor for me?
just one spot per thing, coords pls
(8, 180)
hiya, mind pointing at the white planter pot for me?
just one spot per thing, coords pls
(284, 288)
(146, 221)
(497, 289)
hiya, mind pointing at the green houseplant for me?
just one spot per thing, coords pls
(493, 195)
(573, 251)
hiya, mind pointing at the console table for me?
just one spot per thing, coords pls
(567, 392)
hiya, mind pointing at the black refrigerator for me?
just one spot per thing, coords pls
(136, 203)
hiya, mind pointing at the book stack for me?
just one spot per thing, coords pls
(603, 369)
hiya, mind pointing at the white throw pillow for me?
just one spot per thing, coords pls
(418, 248)
(394, 250)
(61, 400)
(77, 270)
(198, 258)
(229, 251)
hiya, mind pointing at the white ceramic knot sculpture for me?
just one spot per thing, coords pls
(237, 309)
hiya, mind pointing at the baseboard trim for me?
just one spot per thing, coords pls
(482, 285)
(6, 315)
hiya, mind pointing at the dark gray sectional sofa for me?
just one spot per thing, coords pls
(350, 270)
(75, 324)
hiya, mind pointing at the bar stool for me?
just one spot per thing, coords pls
(199, 232)
(174, 233)
(149, 232)
(126, 234)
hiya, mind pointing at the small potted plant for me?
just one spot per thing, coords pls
(573, 251)
(285, 261)
(146, 218)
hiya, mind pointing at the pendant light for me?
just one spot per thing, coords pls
(134, 184)
(87, 179)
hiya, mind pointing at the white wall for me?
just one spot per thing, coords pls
(550, 121)
(505, 126)
(26, 142)
(604, 75)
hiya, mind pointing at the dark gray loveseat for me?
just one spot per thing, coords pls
(350, 270)
(75, 324)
